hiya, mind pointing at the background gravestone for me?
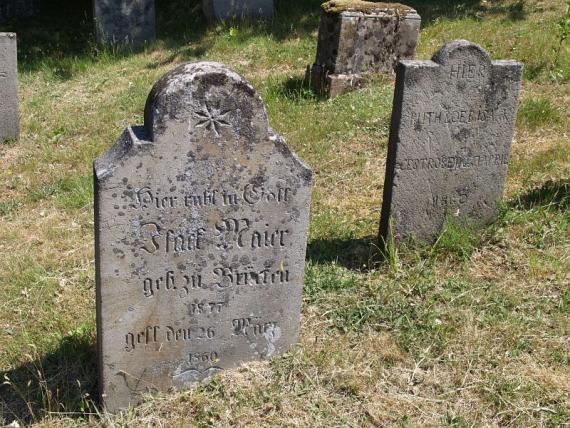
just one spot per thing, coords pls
(9, 105)
(201, 227)
(10, 9)
(357, 38)
(452, 126)
(124, 23)
(237, 9)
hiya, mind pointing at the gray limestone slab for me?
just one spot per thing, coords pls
(201, 222)
(124, 23)
(9, 103)
(359, 38)
(452, 126)
(219, 10)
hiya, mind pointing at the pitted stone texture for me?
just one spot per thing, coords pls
(237, 9)
(201, 229)
(9, 104)
(10, 9)
(354, 42)
(450, 138)
(124, 23)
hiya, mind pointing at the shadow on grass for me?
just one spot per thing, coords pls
(354, 254)
(552, 194)
(64, 381)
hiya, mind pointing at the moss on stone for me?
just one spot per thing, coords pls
(339, 6)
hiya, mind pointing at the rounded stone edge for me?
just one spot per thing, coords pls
(183, 75)
(443, 54)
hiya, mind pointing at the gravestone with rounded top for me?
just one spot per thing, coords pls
(452, 126)
(201, 229)
(9, 104)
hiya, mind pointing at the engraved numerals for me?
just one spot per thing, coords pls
(203, 357)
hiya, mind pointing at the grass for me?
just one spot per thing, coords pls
(472, 331)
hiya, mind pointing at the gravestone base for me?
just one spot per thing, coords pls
(124, 24)
(9, 103)
(333, 85)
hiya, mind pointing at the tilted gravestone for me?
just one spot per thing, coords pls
(201, 228)
(452, 126)
(358, 38)
(124, 23)
(9, 104)
(237, 9)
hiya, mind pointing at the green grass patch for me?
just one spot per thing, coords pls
(534, 113)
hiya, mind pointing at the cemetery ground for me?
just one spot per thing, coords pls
(472, 331)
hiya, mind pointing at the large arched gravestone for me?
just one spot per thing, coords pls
(452, 126)
(201, 227)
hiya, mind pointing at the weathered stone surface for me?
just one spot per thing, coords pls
(452, 126)
(201, 227)
(124, 23)
(357, 38)
(9, 104)
(237, 9)
(10, 9)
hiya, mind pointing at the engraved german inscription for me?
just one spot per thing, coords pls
(201, 222)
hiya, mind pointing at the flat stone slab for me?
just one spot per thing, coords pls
(201, 226)
(357, 38)
(124, 23)
(9, 103)
(219, 10)
(452, 126)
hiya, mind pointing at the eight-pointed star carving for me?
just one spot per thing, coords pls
(211, 118)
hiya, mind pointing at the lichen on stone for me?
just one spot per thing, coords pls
(339, 6)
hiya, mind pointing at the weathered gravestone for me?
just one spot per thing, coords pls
(124, 23)
(357, 38)
(237, 9)
(10, 9)
(452, 126)
(201, 228)
(9, 105)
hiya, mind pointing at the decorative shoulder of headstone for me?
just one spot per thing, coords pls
(9, 104)
(219, 10)
(201, 226)
(452, 126)
(358, 38)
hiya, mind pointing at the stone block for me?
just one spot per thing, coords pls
(357, 38)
